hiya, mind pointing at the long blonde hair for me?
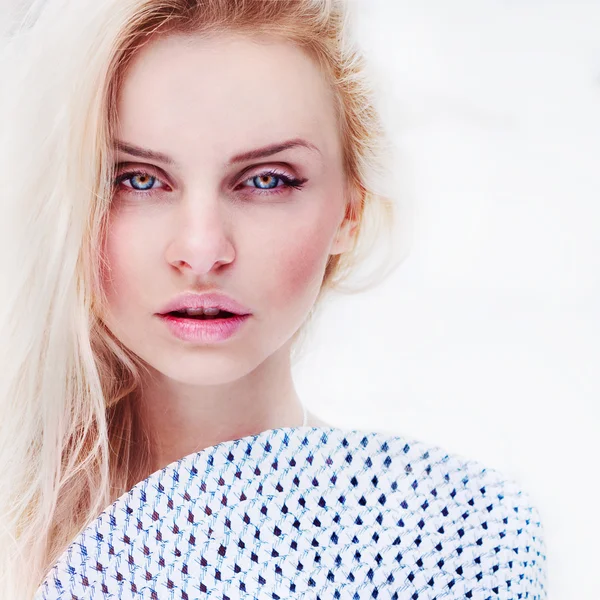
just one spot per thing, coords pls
(71, 436)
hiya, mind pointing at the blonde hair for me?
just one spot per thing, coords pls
(72, 439)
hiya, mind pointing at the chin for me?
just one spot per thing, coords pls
(203, 370)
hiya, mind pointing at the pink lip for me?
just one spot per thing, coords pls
(195, 300)
(206, 332)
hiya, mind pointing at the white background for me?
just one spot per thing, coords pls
(485, 340)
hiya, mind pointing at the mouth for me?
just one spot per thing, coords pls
(221, 315)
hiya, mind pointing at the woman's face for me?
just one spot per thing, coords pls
(200, 219)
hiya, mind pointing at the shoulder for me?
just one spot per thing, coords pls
(472, 521)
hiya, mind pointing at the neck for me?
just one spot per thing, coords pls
(184, 418)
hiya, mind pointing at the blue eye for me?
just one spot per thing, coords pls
(140, 181)
(145, 185)
(261, 180)
(268, 177)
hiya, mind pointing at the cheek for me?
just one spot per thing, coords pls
(300, 267)
(296, 252)
(121, 270)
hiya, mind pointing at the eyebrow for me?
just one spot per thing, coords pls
(238, 158)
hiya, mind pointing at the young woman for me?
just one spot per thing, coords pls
(183, 182)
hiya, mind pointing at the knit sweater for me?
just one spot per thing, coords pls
(311, 512)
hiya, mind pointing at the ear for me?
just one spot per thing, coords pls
(344, 238)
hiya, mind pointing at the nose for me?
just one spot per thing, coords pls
(201, 239)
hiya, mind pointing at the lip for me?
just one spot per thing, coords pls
(204, 332)
(207, 300)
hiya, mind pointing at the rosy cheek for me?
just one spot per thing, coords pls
(300, 268)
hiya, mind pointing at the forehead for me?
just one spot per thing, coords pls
(214, 96)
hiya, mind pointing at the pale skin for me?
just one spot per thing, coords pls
(203, 224)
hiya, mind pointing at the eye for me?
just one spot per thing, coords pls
(267, 181)
(139, 181)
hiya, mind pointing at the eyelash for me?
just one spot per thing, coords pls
(289, 182)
